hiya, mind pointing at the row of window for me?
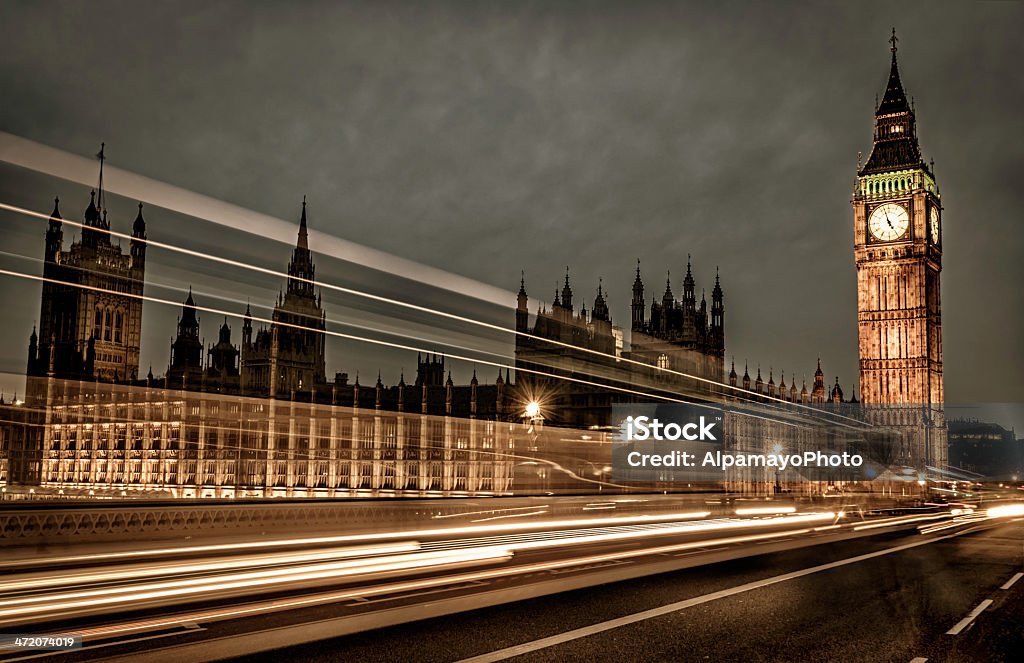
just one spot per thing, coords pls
(109, 324)
(887, 186)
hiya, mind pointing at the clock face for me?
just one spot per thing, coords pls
(933, 224)
(888, 222)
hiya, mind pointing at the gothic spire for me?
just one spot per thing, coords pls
(102, 157)
(92, 215)
(567, 291)
(139, 227)
(895, 99)
(300, 269)
(303, 242)
(895, 140)
(600, 311)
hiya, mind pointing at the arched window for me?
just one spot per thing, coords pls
(108, 324)
(118, 318)
(97, 330)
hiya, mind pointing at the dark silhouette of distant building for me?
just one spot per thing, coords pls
(576, 364)
(90, 320)
(985, 449)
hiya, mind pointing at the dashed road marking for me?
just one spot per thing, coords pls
(966, 621)
(600, 627)
(1009, 583)
(919, 659)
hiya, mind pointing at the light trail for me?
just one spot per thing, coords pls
(122, 595)
(56, 604)
(58, 163)
(685, 528)
(541, 512)
(765, 511)
(814, 413)
(957, 521)
(1005, 511)
(44, 580)
(488, 511)
(351, 337)
(396, 332)
(903, 520)
(291, 603)
(377, 536)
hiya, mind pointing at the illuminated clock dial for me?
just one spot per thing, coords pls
(888, 222)
(933, 224)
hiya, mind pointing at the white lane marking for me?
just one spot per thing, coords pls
(966, 621)
(1009, 583)
(575, 634)
(919, 659)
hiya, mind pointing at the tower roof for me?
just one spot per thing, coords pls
(139, 227)
(303, 242)
(688, 279)
(895, 141)
(895, 99)
(567, 292)
(92, 215)
(300, 268)
(600, 311)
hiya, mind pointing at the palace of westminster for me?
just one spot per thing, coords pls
(262, 418)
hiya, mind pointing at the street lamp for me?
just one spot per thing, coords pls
(536, 421)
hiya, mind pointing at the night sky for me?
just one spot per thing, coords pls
(489, 138)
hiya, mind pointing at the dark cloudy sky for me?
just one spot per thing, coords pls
(485, 138)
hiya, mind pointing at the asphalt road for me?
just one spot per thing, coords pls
(893, 606)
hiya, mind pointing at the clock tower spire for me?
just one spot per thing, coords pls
(898, 251)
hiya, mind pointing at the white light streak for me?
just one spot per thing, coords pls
(1005, 511)
(765, 511)
(58, 163)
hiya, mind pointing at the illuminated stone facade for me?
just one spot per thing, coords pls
(107, 437)
(897, 215)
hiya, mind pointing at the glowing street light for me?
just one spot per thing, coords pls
(532, 410)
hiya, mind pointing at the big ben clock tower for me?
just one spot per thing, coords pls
(897, 215)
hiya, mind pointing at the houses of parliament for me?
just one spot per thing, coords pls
(262, 417)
